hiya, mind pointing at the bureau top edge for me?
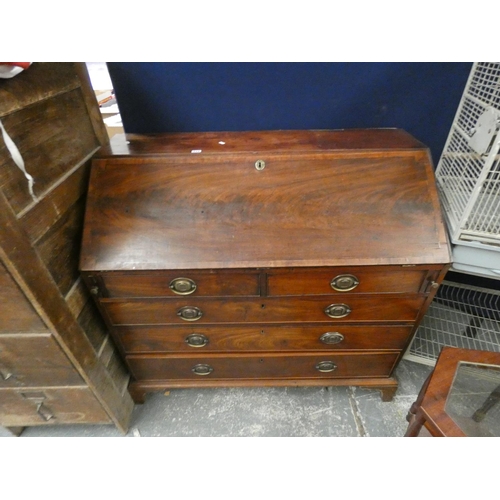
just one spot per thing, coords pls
(308, 141)
(89, 264)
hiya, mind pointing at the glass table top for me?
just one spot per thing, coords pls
(473, 401)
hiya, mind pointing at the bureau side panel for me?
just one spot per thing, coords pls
(17, 314)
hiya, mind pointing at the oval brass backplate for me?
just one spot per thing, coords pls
(196, 340)
(202, 369)
(182, 286)
(331, 338)
(337, 310)
(326, 366)
(189, 313)
(344, 282)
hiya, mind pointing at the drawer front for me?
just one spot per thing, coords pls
(50, 406)
(34, 360)
(266, 310)
(349, 280)
(264, 366)
(261, 338)
(180, 283)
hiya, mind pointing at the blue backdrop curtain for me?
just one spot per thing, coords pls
(421, 98)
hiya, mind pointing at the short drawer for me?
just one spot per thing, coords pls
(263, 366)
(34, 360)
(266, 310)
(383, 279)
(147, 339)
(179, 283)
(33, 406)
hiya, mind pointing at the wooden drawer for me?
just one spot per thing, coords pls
(348, 280)
(17, 315)
(50, 406)
(34, 360)
(261, 338)
(264, 310)
(263, 366)
(176, 283)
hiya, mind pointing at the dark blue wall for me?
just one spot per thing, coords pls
(421, 98)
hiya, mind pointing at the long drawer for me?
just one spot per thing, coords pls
(264, 310)
(34, 360)
(23, 407)
(161, 339)
(262, 366)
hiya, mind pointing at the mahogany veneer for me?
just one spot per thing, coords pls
(263, 258)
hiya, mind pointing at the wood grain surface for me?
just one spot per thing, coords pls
(216, 210)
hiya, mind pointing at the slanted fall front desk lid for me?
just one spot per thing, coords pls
(263, 199)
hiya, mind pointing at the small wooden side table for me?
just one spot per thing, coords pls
(460, 397)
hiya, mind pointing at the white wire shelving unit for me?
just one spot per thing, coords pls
(460, 315)
(468, 175)
(468, 181)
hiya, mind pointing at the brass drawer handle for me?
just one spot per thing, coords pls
(44, 412)
(202, 369)
(182, 286)
(5, 373)
(196, 340)
(331, 338)
(189, 313)
(38, 397)
(338, 310)
(326, 366)
(344, 282)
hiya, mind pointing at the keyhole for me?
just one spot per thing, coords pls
(260, 164)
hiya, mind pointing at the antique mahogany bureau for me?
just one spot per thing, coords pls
(263, 258)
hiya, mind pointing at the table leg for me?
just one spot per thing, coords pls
(490, 402)
(415, 417)
(416, 405)
(416, 422)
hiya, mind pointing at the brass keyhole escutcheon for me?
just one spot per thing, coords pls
(260, 164)
(344, 282)
(337, 310)
(182, 286)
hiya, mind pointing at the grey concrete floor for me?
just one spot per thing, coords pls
(264, 412)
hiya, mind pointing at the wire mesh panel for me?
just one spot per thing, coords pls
(485, 214)
(468, 172)
(459, 316)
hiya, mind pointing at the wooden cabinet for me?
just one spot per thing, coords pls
(58, 363)
(263, 258)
